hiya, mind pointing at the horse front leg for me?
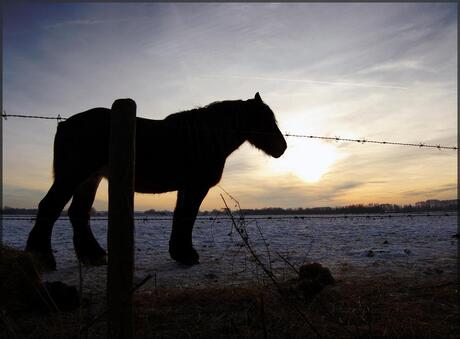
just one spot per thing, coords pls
(180, 243)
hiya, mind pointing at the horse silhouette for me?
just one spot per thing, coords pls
(185, 152)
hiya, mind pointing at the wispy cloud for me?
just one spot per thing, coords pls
(397, 66)
(306, 81)
(84, 22)
(434, 191)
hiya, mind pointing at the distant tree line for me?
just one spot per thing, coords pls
(352, 209)
(423, 206)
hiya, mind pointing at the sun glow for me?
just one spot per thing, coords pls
(308, 160)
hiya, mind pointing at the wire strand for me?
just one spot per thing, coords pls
(363, 141)
(337, 139)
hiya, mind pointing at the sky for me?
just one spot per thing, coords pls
(385, 71)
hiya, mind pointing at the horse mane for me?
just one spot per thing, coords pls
(211, 111)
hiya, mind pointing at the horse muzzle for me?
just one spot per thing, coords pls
(279, 150)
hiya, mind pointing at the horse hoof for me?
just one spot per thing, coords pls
(89, 252)
(41, 252)
(188, 258)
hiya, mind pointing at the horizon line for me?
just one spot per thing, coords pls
(365, 205)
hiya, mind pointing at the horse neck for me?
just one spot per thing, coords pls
(234, 127)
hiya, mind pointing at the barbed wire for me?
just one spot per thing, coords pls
(336, 138)
(58, 117)
(363, 141)
(250, 218)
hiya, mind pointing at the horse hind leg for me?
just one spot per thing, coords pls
(87, 248)
(49, 210)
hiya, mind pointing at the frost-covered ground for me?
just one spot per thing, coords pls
(402, 246)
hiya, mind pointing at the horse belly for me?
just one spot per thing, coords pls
(156, 172)
(166, 175)
(168, 161)
(156, 181)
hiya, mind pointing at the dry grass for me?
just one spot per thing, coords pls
(367, 307)
(349, 309)
(394, 308)
(353, 308)
(19, 278)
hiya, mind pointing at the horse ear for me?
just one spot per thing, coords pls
(257, 97)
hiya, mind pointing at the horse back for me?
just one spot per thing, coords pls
(167, 152)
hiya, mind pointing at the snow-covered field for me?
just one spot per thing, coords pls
(403, 246)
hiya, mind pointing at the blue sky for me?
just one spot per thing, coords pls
(380, 71)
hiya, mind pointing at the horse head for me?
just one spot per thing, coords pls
(263, 130)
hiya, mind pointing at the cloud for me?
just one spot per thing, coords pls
(21, 197)
(24, 197)
(433, 192)
(380, 71)
(290, 191)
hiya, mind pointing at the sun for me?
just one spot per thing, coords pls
(308, 160)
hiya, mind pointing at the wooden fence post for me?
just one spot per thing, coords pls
(120, 237)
